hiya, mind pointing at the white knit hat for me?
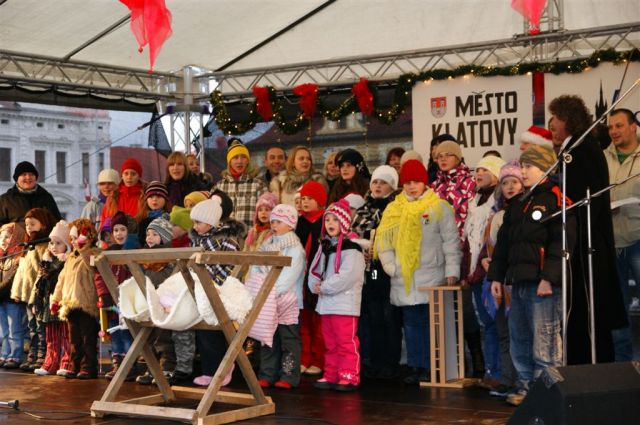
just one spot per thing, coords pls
(163, 228)
(387, 174)
(61, 232)
(109, 175)
(491, 163)
(355, 201)
(208, 211)
(286, 214)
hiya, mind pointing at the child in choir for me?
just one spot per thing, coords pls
(58, 357)
(121, 339)
(418, 245)
(154, 204)
(194, 198)
(280, 363)
(13, 315)
(485, 364)
(380, 327)
(38, 223)
(214, 230)
(337, 276)
(261, 229)
(528, 255)
(509, 186)
(313, 198)
(75, 300)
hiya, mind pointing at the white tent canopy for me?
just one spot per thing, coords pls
(210, 34)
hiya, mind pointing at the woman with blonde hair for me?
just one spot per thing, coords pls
(331, 169)
(298, 171)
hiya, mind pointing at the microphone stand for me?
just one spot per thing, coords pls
(565, 157)
(587, 201)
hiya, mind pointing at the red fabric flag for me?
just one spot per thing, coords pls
(263, 103)
(150, 24)
(531, 10)
(309, 94)
(364, 97)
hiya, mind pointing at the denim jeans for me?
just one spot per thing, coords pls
(535, 331)
(628, 263)
(416, 334)
(491, 345)
(121, 339)
(13, 326)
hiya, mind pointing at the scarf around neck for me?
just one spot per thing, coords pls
(400, 230)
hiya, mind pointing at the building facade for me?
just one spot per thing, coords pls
(68, 146)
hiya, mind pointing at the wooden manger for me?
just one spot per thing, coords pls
(251, 404)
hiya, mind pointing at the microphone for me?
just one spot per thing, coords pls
(35, 242)
(13, 404)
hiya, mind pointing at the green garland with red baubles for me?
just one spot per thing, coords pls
(268, 107)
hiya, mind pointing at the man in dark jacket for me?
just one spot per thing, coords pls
(570, 118)
(24, 195)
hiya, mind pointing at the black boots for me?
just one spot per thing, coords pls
(474, 342)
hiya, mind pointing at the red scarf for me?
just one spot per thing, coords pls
(235, 174)
(312, 217)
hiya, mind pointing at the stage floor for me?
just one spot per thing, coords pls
(377, 402)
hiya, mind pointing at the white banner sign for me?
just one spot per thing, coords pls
(482, 113)
(597, 87)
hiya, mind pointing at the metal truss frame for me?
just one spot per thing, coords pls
(544, 47)
(34, 72)
(47, 73)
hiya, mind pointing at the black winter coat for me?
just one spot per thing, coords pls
(528, 250)
(15, 204)
(588, 168)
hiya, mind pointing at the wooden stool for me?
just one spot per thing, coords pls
(253, 404)
(446, 338)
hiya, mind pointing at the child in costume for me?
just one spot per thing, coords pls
(75, 300)
(58, 357)
(38, 223)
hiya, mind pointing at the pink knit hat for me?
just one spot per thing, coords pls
(340, 210)
(268, 200)
(511, 169)
(286, 214)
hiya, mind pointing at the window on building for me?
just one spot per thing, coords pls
(99, 127)
(101, 161)
(86, 172)
(61, 126)
(4, 121)
(61, 166)
(39, 124)
(5, 164)
(40, 163)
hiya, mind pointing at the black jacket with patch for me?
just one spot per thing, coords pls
(529, 249)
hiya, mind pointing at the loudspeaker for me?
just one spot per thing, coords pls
(580, 395)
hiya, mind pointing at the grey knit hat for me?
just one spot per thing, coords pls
(163, 228)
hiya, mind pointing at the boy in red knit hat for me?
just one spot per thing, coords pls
(313, 197)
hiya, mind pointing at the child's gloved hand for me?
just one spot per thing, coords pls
(104, 301)
(388, 261)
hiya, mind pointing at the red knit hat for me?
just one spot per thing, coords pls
(314, 190)
(413, 171)
(131, 164)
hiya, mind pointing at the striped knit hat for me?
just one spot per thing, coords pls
(340, 210)
(197, 196)
(163, 228)
(539, 156)
(286, 214)
(268, 200)
(156, 188)
(235, 148)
